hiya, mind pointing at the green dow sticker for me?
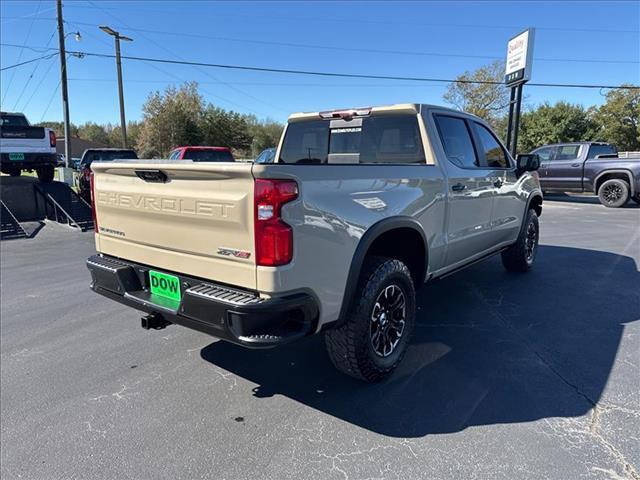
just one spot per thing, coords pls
(16, 156)
(165, 285)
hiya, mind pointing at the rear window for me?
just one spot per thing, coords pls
(596, 150)
(14, 121)
(208, 155)
(109, 155)
(389, 139)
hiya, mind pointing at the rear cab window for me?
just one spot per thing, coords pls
(377, 139)
(595, 150)
(14, 121)
(108, 156)
(204, 155)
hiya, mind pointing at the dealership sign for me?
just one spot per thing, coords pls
(519, 58)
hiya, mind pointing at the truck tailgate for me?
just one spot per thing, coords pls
(194, 218)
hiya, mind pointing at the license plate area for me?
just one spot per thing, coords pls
(16, 156)
(165, 285)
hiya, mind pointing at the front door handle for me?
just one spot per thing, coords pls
(458, 187)
(576, 164)
(497, 183)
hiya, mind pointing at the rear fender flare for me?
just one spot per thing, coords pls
(615, 170)
(360, 253)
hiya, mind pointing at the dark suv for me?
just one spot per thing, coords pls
(98, 155)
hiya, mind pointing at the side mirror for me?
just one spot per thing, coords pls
(528, 162)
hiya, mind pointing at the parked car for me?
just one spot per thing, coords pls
(202, 154)
(98, 155)
(23, 147)
(590, 167)
(266, 156)
(361, 207)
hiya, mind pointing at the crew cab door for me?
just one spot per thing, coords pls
(564, 169)
(508, 204)
(470, 190)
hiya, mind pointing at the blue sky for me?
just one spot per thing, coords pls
(253, 33)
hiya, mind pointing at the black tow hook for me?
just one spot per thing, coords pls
(154, 321)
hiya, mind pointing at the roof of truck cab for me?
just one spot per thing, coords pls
(393, 108)
(201, 147)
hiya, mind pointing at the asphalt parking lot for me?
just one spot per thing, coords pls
(509, 376)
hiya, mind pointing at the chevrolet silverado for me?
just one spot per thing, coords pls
(359, 208)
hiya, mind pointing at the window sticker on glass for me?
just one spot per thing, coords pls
(346, 130)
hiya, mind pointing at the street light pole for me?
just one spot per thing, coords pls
(117, 37)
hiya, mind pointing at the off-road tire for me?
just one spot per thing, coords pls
(614, 193)
(350, 346)
(518, 258)
(46, 173)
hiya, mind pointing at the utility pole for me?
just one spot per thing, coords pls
(118, 37)
(63, 83)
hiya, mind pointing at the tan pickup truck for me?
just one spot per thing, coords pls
(359, 207)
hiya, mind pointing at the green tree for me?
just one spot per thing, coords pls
(170, 119)
(224, 128)
(265, 134)
(618, 119)
(58, 128)
(489, 101)
(94, 132)
(115, 136)
(562, 122)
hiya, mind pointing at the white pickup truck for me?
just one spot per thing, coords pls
(23, 147)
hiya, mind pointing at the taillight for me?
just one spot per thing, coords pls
(274, 238)
(52, 138)
(93, 202)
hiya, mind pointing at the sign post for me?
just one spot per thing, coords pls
(517, 73)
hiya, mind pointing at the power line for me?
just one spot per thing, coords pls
(356, 21)
(26, 39)
(53, 94)
(345, 75)
(23, 17)
(30, 61)
(26, 84)
(360, 49)
(242, 92)
(35, 90)
(338, 74)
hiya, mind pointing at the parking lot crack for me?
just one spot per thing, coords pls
(597, 410)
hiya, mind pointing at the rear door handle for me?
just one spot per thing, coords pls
(458, 187)
(575, 164)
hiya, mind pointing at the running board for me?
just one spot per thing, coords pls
(466, 265)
